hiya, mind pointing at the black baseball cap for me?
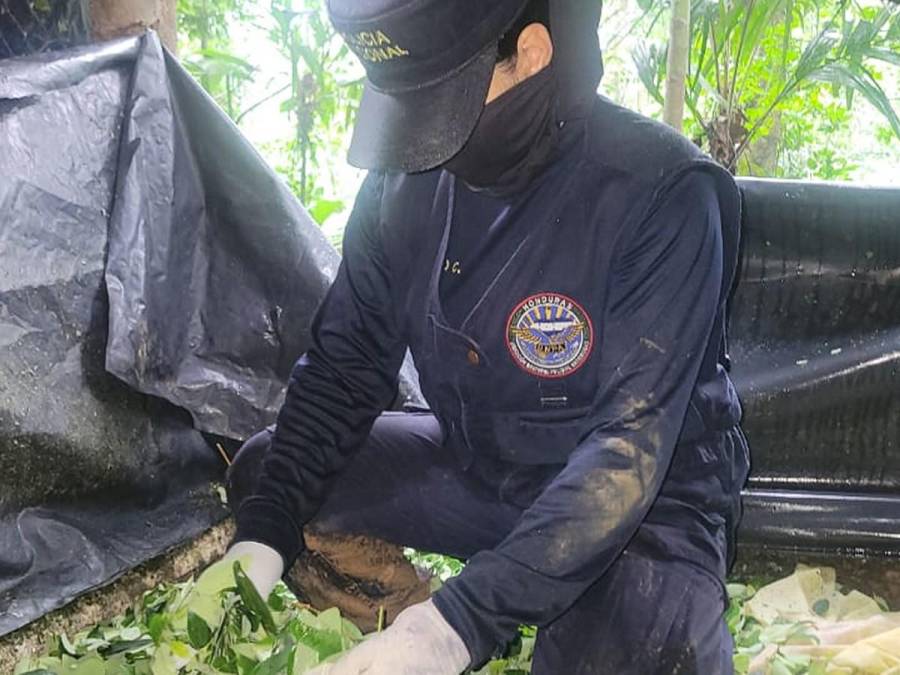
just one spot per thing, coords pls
(429, 64)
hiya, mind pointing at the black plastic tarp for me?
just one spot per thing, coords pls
(815, 340)
(143, 242)
(157, 281)
(95, 477)
(214, 268)
(815, 326)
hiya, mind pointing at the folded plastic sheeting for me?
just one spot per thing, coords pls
(215, 270)
(96, 477)
(815, 341)
(839, 634)
(142, 237)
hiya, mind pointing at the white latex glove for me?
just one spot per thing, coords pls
(262, 564)
(419, 642)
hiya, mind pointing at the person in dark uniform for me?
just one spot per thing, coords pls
(559, 268)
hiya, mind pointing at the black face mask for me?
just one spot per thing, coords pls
(515, 139)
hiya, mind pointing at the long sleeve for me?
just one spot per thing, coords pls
(336, 390)
(663, 296)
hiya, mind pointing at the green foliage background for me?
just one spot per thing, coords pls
(754, 62)
(803, 89)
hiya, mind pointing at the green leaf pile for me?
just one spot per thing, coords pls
(222, 625)
(751, 638)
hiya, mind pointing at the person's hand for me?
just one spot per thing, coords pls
(419, 642)
(262, 564)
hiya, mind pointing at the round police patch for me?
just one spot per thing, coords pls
(549, 335)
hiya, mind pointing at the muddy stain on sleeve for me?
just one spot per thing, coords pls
(606, 499)
(650, 344)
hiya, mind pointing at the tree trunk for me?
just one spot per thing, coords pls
(118, 18)
(762, 153)
(676, 63)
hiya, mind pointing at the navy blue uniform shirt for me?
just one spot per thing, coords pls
(591, 343)
(483, 235)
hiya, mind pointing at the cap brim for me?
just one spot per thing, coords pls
(422, 128)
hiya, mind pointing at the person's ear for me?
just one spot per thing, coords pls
(534, 51)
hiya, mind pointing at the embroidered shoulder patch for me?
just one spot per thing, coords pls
(549, 335)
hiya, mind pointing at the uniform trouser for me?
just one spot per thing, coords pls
(643, 615)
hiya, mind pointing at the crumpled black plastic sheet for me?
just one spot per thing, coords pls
(157, 280)
(215, 269)
(815, 341)
(96, 477)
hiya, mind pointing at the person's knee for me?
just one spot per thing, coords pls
(643, 617)
(243, 475)
(358, 574)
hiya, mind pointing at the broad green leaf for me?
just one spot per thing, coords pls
(650, 64)
(331, 620)
(797, 662)
(207, 607)
(279, 661)
(252, 600)
(163, 662)
(226, 664)
(738, 591)
(88, 665)
(276, 601)
(350, 633)
(215, 579)
(779, 667)
(305, 658)
(155, 626)
(245, 665)
(180, 649)
(787, 633)
(742, 663)
(131, 633)
(66, 646)
(866, 85)
(199, 633)
(252, 651)
(883, 55)
(325, 642)
(323, 208)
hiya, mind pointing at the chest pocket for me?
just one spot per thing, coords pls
(545, 437)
